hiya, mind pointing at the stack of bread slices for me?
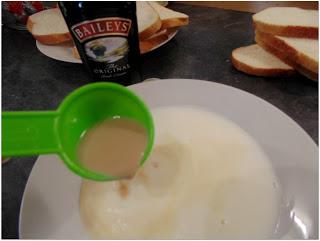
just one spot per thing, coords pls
(287, 42)
(155, 24)
(164, 22)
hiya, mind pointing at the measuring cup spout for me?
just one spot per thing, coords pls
(29, 133)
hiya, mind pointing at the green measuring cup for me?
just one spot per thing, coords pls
(44, 132)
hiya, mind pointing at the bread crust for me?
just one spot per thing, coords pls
(150, 43)
(75, 52)
(294, 55)
(170, 23)
(307, 73)
(50, 39)
(147, 33)
(258, 71)
(287, 31)
(281, 55)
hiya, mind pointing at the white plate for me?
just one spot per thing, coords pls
(64, 53)
(49, 208)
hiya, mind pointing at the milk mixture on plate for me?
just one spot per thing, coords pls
(205, 179)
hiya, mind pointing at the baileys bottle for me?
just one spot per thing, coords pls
(106, 37)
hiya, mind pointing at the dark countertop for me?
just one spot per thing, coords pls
(32, 81)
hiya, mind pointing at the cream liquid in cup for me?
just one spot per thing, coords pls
(114, 147)
(206, 178)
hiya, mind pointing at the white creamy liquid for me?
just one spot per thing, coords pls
(205, 179)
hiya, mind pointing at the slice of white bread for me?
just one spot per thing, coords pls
(302, 51)
(155, 40)
(285, 58)
(255, 60)
(148, 19)
(170, 18)
(49, 27)
(288, 21)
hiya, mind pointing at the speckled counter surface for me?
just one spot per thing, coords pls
(32, 81)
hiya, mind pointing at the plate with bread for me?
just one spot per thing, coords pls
(286, 43)
(157, 25)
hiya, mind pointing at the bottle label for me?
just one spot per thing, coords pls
(105, 42)
(101, 27)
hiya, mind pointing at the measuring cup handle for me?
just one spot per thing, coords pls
(28, 133)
